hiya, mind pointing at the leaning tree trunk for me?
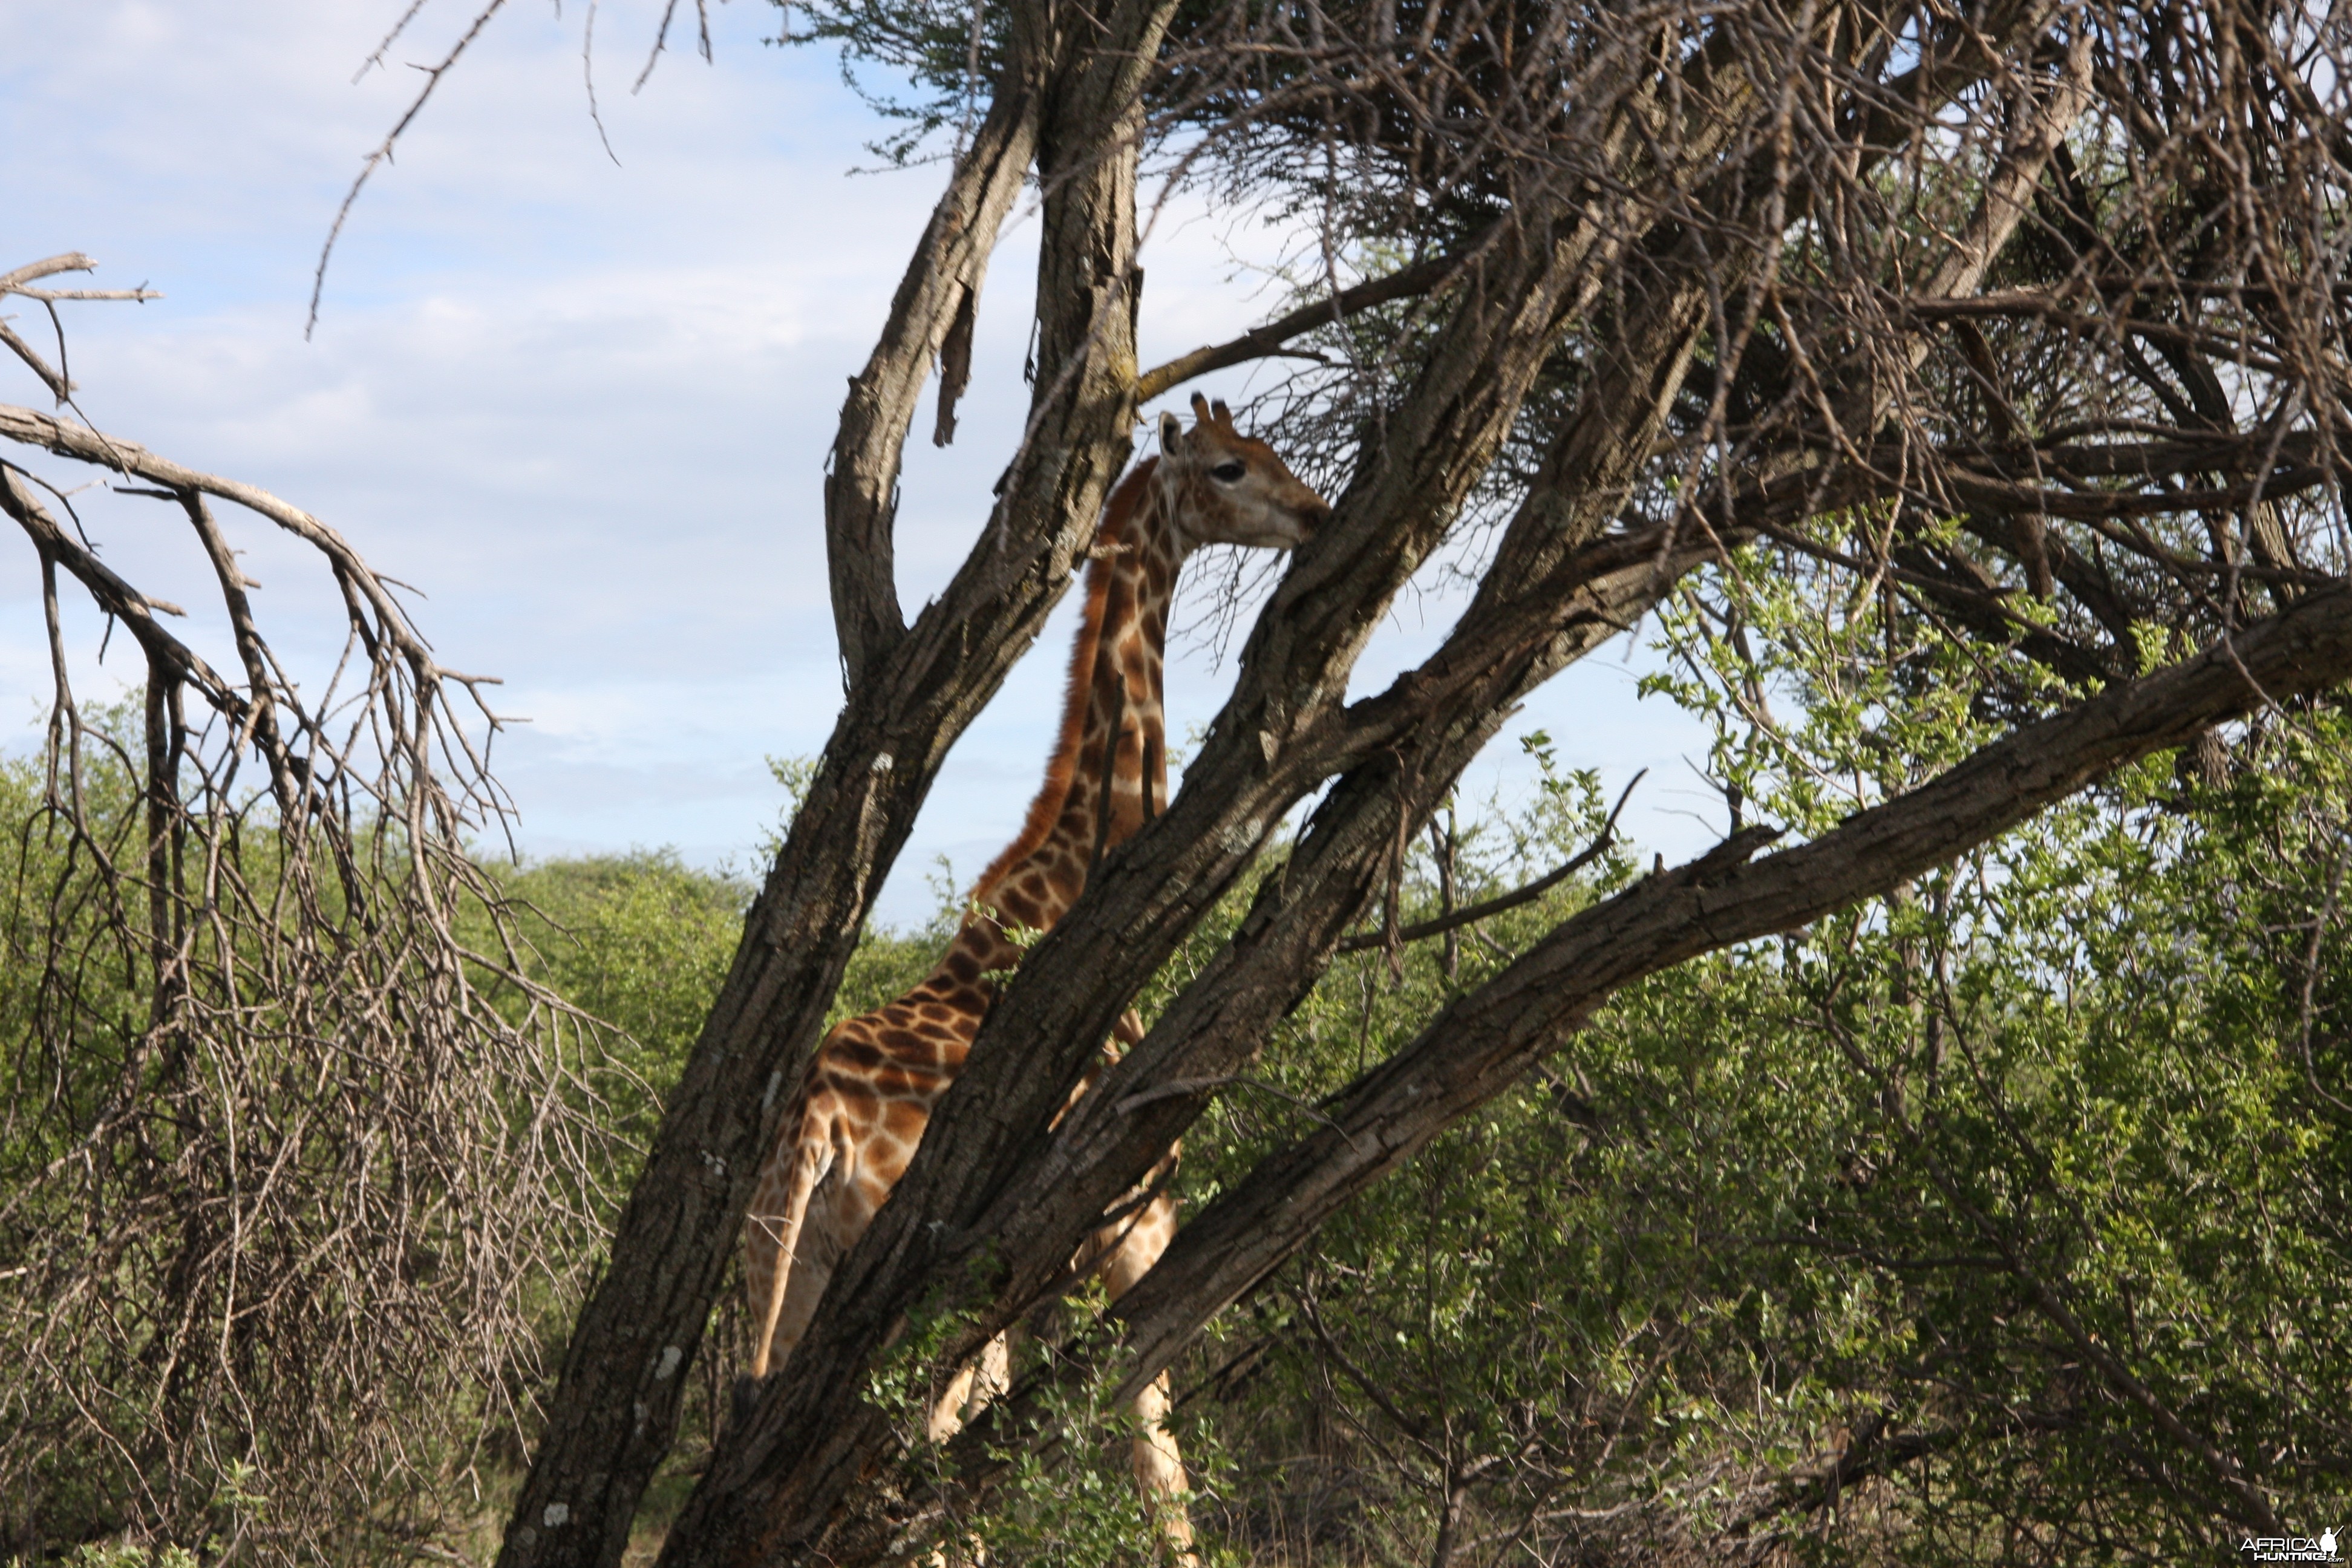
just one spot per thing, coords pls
(1067, 101)
(1663, 208)
(992, 1207)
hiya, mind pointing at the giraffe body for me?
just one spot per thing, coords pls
(861, 1108)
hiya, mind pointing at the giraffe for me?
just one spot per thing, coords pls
(853, 1124)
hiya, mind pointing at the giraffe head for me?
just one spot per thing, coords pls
(1224, 488)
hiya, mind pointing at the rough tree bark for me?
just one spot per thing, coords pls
(1070, 81)
(990, 1209)
(1670, 230)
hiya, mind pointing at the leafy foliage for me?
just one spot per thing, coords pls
(939, 58)
(2001, 1220)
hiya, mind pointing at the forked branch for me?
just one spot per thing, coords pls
(242, 1007)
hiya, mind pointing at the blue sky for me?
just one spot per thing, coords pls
(582, 407)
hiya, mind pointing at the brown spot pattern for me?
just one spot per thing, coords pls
(862, 1105)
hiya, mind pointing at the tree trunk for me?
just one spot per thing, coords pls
(911, 692)
(994, 1203)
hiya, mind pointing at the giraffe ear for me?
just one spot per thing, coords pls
(1171, 434)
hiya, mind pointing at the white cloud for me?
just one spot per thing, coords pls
(583, 407)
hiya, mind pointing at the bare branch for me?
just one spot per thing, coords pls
(661, 38)
(382, 153)
(59, 387)
(71, 262)
(241, 1008)
(32, 427)
(1423, 278)
(116, 597)
(1486, 908)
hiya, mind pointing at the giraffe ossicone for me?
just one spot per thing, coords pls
(861, 1107)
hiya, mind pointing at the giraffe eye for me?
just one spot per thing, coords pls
(1229, 472)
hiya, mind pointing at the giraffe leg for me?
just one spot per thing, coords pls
(771, 1239)
(839, 1213)
(976, 1385)
(1159, 1468)
(977, 1382)
(797, 1305)
(774, 1236)
(765, 1265)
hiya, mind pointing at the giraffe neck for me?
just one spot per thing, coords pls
(1108, 773)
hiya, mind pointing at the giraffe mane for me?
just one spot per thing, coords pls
(1047, 808)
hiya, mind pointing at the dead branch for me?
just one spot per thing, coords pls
(293, 1121)
(382, 153)
(17, 282)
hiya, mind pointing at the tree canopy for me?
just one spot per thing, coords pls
(1941, 1168)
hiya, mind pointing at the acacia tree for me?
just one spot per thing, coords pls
(2043, 303)
(2049, 297)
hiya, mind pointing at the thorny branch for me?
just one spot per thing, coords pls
(290, 1127)
(1714, 305)
(383, 153)
(2031, 312)
(18, 284)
